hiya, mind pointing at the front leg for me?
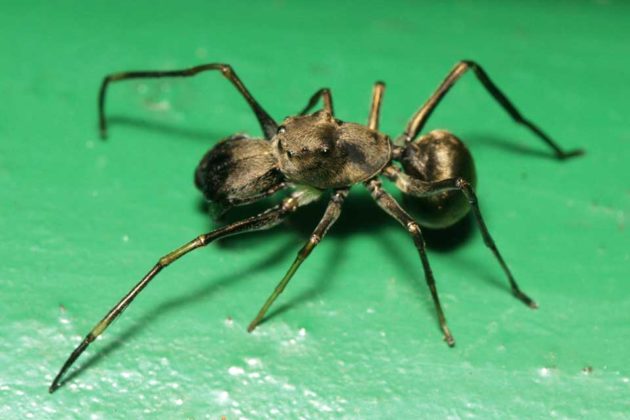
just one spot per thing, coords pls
(264, 220)
(267, 123)
(330, 216)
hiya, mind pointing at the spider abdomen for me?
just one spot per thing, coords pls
(436, 156)
(238, 170)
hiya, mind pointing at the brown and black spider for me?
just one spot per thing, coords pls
(311, 154)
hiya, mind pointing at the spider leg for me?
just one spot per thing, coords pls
(330, 217)
(419, 119)
(262, 221)
(267, 123)
(420, 188)
(375, 109)
(325, 95)
(391, 207)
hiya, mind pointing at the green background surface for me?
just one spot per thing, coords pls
(355, 334)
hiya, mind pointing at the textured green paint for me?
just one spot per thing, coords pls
(355, 333)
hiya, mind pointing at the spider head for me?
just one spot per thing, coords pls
(306, 147)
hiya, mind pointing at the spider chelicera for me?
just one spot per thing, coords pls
(316, 154)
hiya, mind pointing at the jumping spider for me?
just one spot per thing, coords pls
(312, 154)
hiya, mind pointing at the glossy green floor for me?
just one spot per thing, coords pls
(355, 334)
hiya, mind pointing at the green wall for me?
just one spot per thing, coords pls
(355, 333)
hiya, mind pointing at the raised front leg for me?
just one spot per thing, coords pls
(375, 109)
(267, 123)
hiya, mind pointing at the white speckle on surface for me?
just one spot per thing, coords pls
(252, 362)
(161, 105)
(290, 342)
(223, 397)
(229, 322)
(179, 401)
(625, 380)
(370, 310)
(201, 53)
(125, 238)
(235, 370)
(101, 163)
(544, 372)
(302, 332)
(309, 393)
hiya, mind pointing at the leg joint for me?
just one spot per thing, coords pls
(413, 228)
(461, 183)
(469, 63)
(202, 240)
(226, 69)
(375, 189)
(465, 187)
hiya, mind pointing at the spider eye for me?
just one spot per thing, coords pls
(338, 121)
(324, 150)
(281, 129)
(289, 154)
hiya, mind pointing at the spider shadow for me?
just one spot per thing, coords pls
(481, 139)
(365, 214)
(164, 128)
(170, 305)
(360, 213)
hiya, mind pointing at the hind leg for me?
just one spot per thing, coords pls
(419, 188)
(419, 119)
